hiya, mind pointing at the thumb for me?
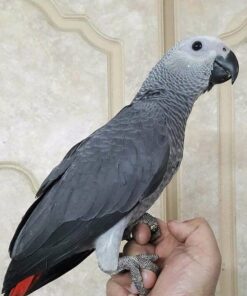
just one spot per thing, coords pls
(183, 230)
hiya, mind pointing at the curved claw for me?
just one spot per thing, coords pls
(146, 219)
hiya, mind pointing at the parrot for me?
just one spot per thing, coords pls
(106, 183)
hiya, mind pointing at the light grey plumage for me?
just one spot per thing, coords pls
(110, 179)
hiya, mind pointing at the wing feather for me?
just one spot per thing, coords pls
(99, 181)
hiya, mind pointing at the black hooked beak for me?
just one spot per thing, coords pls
(224, 69)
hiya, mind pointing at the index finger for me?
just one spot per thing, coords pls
(142, 233)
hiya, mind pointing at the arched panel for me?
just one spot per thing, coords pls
(61, 78)
(236, 34)
(110, 46)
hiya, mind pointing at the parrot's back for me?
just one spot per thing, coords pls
(99, 182)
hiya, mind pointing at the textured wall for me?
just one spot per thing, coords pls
(241, 167)
(201, 172)
(55, 90)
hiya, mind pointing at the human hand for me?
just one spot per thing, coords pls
(189, 259)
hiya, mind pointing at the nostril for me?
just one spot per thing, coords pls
(224, 48)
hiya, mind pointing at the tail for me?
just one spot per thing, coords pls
(31, 283)
(22, 288)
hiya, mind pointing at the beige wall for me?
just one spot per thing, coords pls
(56, 88)
(67, 66)
(213, 171)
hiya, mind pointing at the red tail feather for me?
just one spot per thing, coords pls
(22, 287)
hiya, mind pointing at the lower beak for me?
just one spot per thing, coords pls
(224, 69)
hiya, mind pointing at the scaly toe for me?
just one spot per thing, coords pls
(135, 264)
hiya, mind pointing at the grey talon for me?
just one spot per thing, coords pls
(146, 219)
(135, 264)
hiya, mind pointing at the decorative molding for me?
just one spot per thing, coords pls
(161, 26)
(8, 165)
(110, 46)
(170, 23)
(228, 279)
(168, 32)
(237, 32)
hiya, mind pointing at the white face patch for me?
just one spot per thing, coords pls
(203, 47)
(195, 55)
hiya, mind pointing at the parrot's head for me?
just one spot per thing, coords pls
(198, 63)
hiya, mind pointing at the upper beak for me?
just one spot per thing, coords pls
(224, 69)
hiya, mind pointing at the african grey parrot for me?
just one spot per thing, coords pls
(109, 180)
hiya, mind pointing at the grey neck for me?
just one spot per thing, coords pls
(190, 85)
(175, 94)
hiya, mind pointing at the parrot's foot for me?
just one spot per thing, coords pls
(135, 264)
(146, 219)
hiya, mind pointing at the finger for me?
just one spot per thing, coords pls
(122, 283)
(132, 248)
(181, 230)
(142, 233)
(200, 243)
(208, 243)
(196, 232)
(165, 244)
(149, 278)
(114, 288)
